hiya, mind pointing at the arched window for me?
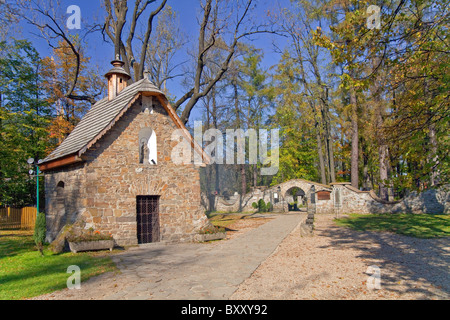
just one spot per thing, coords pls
(60, 189)
(147, 146)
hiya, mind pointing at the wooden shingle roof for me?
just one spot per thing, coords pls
(101, 117)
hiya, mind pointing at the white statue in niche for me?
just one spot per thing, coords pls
(148, 153)
(152, 152)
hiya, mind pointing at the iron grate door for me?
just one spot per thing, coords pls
(147, 215)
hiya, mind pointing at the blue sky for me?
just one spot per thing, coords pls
(188, 11)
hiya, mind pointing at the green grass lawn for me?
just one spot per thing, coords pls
(414, 225)
(24, 273)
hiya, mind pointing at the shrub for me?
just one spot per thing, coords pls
(40, 230)
(262, 206)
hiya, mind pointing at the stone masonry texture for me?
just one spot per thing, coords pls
(102, 190)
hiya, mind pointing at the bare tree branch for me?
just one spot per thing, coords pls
(210, 31)
(53, 30)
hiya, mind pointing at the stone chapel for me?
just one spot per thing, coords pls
(114, 171)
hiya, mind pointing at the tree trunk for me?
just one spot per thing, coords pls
(367, 185)
(243, 180)
(433, 156)
(214, 120)
(383, 159)
(238, 123)
(383, 153)
(366, 176)
(238, 126)
(208, 169)
(355, 151)
(323, 178)
(329, 140)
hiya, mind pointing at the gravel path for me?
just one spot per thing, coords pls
(333, 264)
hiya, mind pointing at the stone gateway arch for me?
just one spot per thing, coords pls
(304, 186)
(280, 196)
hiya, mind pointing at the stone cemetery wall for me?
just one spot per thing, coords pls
(338, 198)
(435, 201)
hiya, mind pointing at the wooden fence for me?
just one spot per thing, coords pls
(11, 218)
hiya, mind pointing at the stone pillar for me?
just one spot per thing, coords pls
(311, 207)
(337, 200)
(307, 227)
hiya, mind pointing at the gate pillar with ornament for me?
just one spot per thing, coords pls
(307, 228)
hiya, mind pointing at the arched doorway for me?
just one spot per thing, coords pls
(289, 194)
(295, 198)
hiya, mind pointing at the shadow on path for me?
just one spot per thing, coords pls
(401, 259)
